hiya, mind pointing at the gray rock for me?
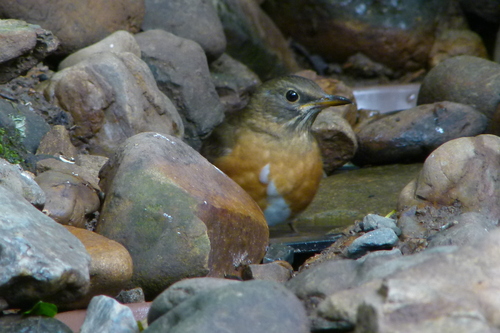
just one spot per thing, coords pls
(37, 324)
(248, 307)
(475, 80)
(378, 239)
(191, 19)
(182, 291)
(254, 39)
(117, 42)
(373, 221)
(181, 71)
(23, 125)
(411, 135)
(22, 46)
(468, 229)
(105, 315)
(40, 259)
(135, 295)
(78, 24)
(165, 201)
(21, 182)
(234, 82)
(125, 101)
(445, 289)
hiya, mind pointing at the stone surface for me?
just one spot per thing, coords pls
(182, 291)
(445, 289)
(253, 306)
(234, 82)
(70, 199)
(77, 24)
(181, 71)
(39, 258)
(462, 173)
(23, 126)
(135, 295)
(57, 143)
(22, 46)
(106, 315)
(14, 178)
(110, 269)
(475, 82)
(336, 139)
(117, 42)
(454, 198)
(411, 135)
(372, 221)
(125, 101)
(164, 201)
(455, 42)
(38, 324)
(274, 271)
(467, 229)
(399, 35)
(191, 19)
(375, 240)
(253, 38)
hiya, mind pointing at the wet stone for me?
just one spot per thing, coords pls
(106, 315)
(246, 307)
(38, 324)
(378, 239)
(372, 221)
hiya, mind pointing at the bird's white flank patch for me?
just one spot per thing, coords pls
(277, 210)
(264, 174)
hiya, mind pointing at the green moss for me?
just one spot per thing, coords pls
(11, 147)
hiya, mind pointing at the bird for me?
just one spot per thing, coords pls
(268, 149)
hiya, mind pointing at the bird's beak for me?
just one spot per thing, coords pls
(332, 100)
(326, 101)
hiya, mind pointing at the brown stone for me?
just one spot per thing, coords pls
(22, 46)
(117, 42)
(452, 43)
(177, 214)
(70, 199)
(110, 267)
(464, 79)
(336, 139)
(58, 144)
(397, 35)
(410, 135)
(77, 24)
(124, 100)
(272, 272)
(464, 173)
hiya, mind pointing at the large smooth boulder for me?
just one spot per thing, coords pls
(177, 214)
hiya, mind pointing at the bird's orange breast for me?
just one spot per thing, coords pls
(278, 174)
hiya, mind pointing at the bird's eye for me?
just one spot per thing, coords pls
(292, 96)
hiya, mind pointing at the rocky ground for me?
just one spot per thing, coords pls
(106, 202)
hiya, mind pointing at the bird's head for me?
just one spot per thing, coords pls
(293, 101)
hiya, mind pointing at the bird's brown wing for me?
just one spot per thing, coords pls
(220, 142)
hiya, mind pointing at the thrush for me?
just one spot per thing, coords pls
(268, 149)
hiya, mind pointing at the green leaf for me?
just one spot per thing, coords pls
(42, 309)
